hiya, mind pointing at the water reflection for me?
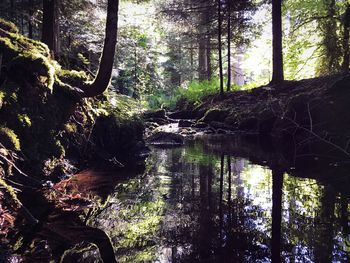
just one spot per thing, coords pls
(196, 205)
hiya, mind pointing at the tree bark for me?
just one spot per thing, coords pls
(346, 51)
(101, 82)
(191, 60)
(30, 23)
(202, 48)
(220, 48)
(49, 29)
(229, 46)
(12, 11)
(208, 54)
(277, 55)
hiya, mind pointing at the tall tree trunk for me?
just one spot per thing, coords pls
(30, 20)
(346, 51)
(208, 53)
(12, 11)
(202, 48)
(229, 72)
(22, 18)
(277, 55)
(49, 30)
(220, 48)
(191, 59)
(330, 41)
(101, 81)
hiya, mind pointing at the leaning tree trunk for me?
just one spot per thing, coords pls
(277, 55)
(220, 49)
(49, 30)
(101, 82)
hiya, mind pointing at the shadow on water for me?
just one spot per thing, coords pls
(206, 202)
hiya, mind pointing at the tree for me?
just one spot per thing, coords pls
(346, 29)
(49, 30)
(221, 76)
(229, 70)
(30, 19)
(101, 81)
(277, 55)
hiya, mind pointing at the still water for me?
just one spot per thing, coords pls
(198, 203)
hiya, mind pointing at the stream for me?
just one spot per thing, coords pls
(203, 202)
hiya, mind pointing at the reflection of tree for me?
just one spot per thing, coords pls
(204, 216)
(217, 208)
(324, 233)
(277, 185)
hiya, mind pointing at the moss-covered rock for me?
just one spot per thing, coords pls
(214, 115)
(8, 26)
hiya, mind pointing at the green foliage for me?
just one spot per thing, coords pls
(9, 139)
(193, 92)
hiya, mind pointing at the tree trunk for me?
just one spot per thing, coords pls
(208, 53)
(30, 20)
(202, 49)
(191, 59)
(12, 11)
(277, 55)
(346, 51)
(220, 49)
(49, 30)
(229, 46)
(331, 47)
(101, 82)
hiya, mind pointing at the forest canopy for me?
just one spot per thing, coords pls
(170, 49)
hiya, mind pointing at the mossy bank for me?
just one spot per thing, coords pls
(45, 125)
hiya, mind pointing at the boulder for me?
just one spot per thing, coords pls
(181, 115)
(220, 125)
(250, 124)
(185, 123)
(154, 114)
(200, 125)
(215, 115)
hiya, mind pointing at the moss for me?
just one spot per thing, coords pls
(27, 58)
(9, 190)
(70, 128)
(35, 64)
(214, 115)
(2, 97)
(25, 120)
(9, 139)
(8, 26)
(72, 77)
(59, 149)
